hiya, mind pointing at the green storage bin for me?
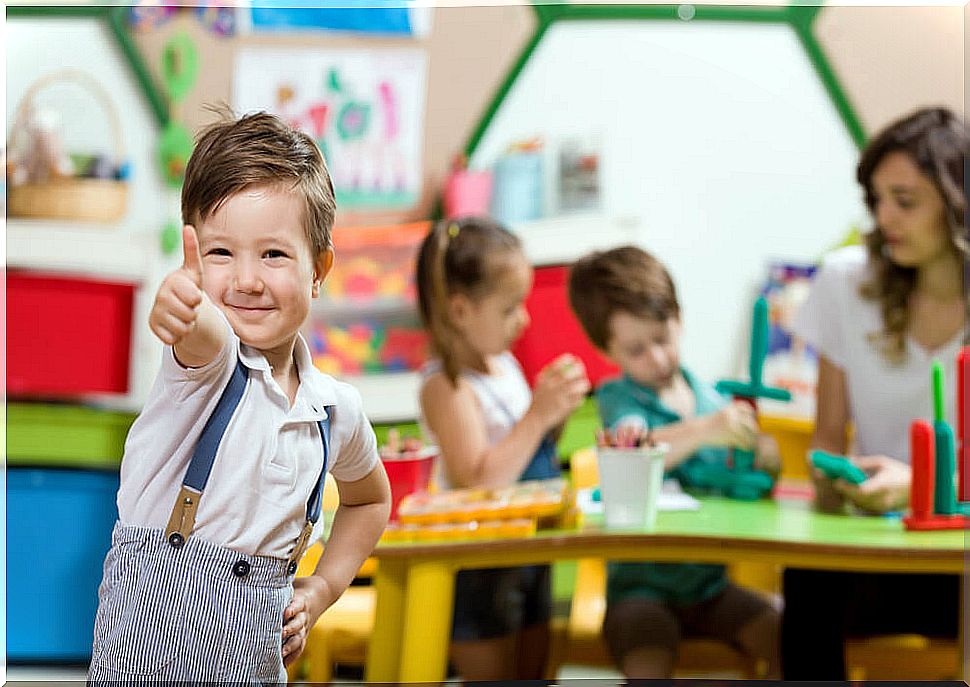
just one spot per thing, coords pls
(41, 434)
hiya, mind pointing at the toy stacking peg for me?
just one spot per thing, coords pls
(743, 481)
(932, 495)
(963, 431)
(754, 389)
(945, 496)
(922, 458)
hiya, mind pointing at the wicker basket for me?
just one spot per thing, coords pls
(70, 198)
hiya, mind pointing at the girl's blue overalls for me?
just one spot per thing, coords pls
(173, 607)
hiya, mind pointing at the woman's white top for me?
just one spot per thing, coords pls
(504, 397)
(884, 398)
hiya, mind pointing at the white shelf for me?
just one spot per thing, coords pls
(561, 239)
(98, 250)
(388, 397)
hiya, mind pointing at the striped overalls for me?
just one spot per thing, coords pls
(173, 607)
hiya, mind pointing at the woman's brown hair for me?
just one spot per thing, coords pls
(458, 256)
(938, 142)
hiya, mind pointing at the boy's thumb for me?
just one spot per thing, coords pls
(192, 257)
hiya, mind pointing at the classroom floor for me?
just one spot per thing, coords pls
(60, 674)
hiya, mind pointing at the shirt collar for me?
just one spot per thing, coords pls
(316, 390)
(648, 396)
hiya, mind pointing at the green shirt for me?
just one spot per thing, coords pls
(681, 584)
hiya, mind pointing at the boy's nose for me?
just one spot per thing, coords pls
(247, 279)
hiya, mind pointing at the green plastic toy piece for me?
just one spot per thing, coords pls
(938, 392)
(755, 388)
(836, 467)
(743, 485)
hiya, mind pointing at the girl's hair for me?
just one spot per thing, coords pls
(462, 256)
(938, 142)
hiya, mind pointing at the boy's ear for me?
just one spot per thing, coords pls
(321, 268)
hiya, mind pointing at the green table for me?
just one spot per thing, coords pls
(415, 582)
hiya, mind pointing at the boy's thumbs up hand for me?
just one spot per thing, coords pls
(192, 257)
(177, 302)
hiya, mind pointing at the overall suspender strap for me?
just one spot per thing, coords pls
(182, 520)
(315, 502)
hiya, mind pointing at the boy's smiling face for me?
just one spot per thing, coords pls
(647, 350)
(257, 266)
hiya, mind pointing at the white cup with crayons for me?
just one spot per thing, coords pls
(631, 474)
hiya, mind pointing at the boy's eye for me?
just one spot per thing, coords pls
(217, 251)
(274, 253)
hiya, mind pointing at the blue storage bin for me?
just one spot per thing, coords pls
(58, 531)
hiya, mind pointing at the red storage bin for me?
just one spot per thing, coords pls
(555, 330)
(67, 335)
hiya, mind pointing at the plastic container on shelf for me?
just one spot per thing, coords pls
(72, 337)
(58, 531)
(366, 320)
(44, 434)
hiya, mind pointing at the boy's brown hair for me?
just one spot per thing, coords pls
(626, 279)
(254, 150)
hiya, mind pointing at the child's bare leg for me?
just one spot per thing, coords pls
(485, 659)
(532, 652)
(648, 663)
(642, 635)
(758, 639)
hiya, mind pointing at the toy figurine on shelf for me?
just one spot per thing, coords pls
(742, 480)
(933, 496)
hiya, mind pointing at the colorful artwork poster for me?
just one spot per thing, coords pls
(790, 362)
(377, 17)
(364, 108)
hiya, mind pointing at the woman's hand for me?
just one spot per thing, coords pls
(886, 489)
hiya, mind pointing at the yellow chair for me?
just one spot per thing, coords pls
(581, 640)
(342, 632)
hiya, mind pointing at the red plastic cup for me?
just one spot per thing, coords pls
(409, 474)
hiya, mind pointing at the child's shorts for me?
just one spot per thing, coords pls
(200, 613)
(637, 622)
(495, 602)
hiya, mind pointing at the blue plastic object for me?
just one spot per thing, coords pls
(58, 531)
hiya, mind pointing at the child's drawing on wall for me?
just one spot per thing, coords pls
(363, 108)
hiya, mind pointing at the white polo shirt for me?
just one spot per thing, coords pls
(269, 458)
(883, 398)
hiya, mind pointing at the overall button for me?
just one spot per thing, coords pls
(240, 568)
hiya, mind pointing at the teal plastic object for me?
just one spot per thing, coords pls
(755, 388)
(743, 485)
(837, 467)
(944, 496)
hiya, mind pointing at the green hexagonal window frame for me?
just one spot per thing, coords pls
(800, 17)
(115, 17)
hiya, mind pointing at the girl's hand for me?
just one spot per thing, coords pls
(311, 597)
(767, 456)
(560, 388)
(885, 490)
(176, 308)
(734, 425)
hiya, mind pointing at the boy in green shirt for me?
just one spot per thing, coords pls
(627, 304)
